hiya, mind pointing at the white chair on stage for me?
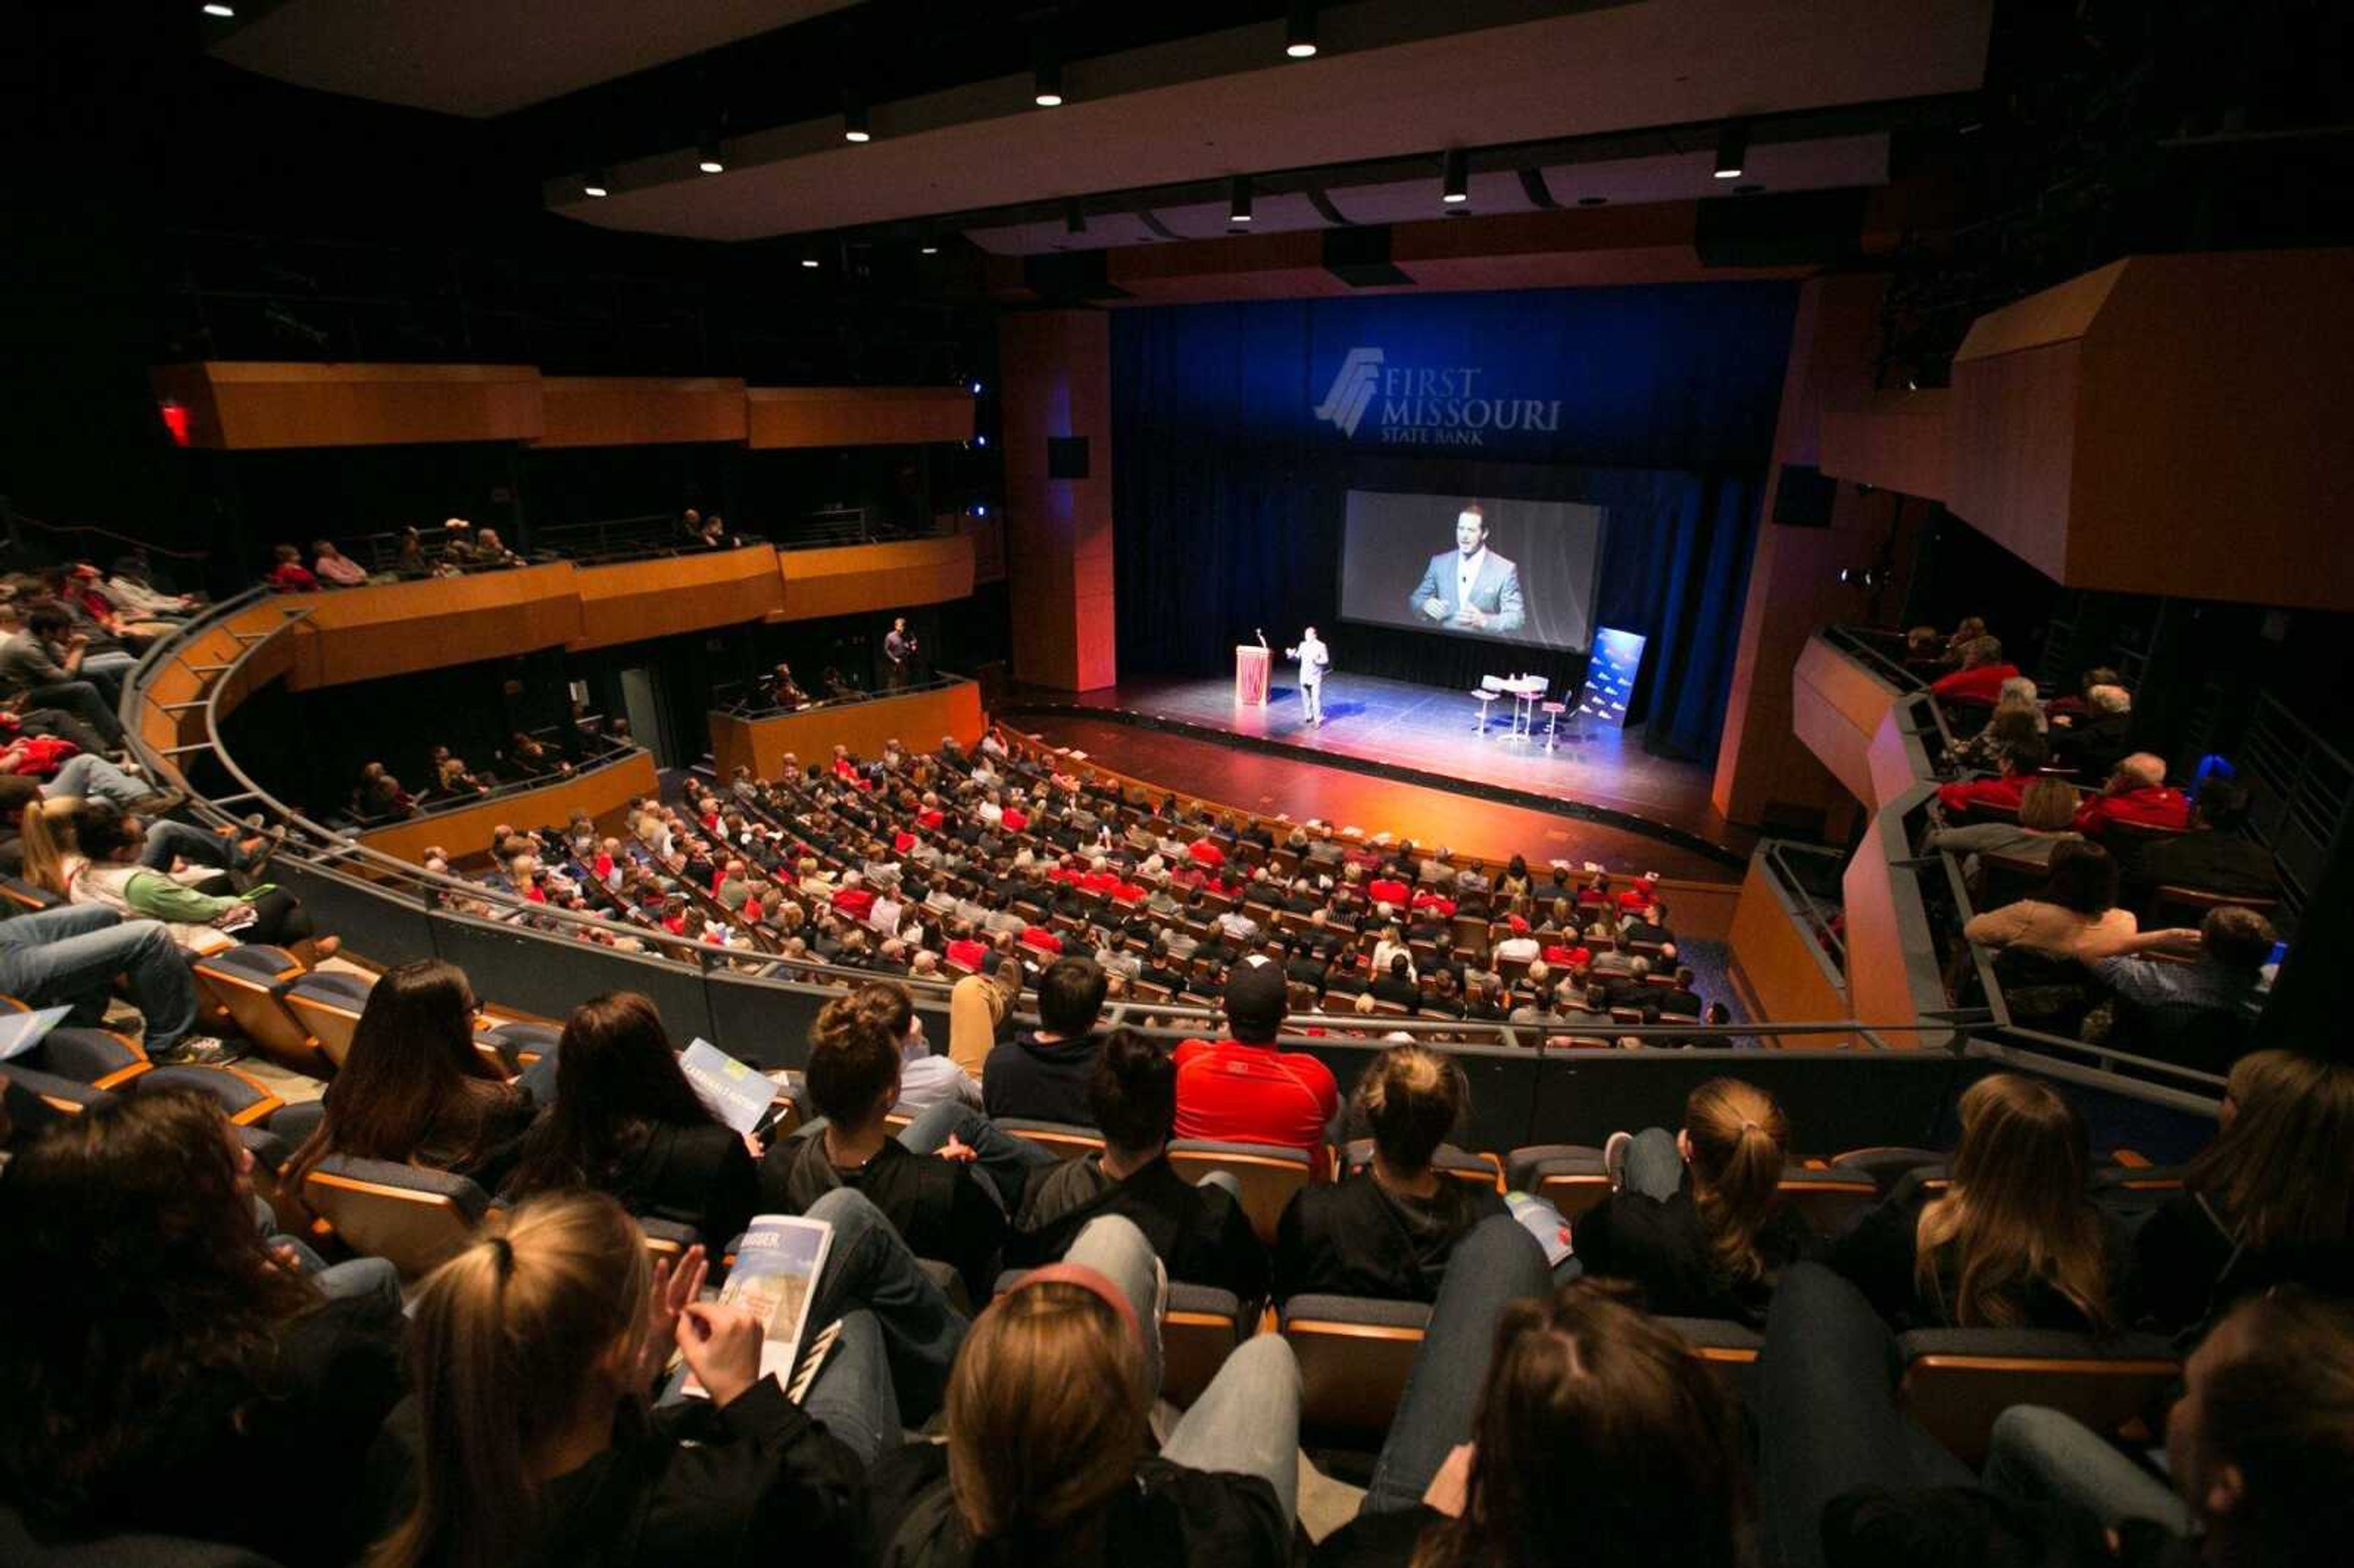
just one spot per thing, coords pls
(1490, 688)
(1552, 711)
(1527, 692)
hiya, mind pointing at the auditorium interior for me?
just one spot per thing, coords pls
(1577, 772)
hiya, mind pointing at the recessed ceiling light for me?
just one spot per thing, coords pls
(1732, 148)
(1046, 83)
(594, 186)
(709, 159)
(1300, 30)
(1454, 183)
(218, 9)
(1238, 200)
(855, 127)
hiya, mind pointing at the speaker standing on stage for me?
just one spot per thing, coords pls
(899, 652)
(1471, 587)
(1314, 657)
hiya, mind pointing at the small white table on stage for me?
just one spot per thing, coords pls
(1527, 692)
(1250, 674)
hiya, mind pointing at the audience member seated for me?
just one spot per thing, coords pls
(2259, 1452)
(1049, 1455)
(2018, 716)
(2137, 794)
(1244, 1090)
(70, 957)
(2075, 914)
(331, 565)
(2101, 733)
(626, 1121)
(2215, 856)
(2017, 767)
(1200, 1233)
(529, 1439)
(88, 851)
(1980, 678)
(2199, 1014)
(379, 797)
(1548, 1427)
(413, 1090)
(2047, 812)
(45, 664)
(2014, 1242)
(1042, 1074)
(287, 573)
(1691, 1218)
(159, 1360)
(1389, 1230)
(2270, 1201)
(934, 1196)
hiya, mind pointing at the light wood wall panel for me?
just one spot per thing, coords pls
(468, 832)
(1898, 440)
(399, 628)
(1778, 966)
(1837, 706)
(249, 405)
(634, 600)
(858, 578)
(916, 720)
(641, 410)
(778, 416)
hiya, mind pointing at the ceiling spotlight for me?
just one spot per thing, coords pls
(809, 260)
(218, 9)
(1238, 202)
(1300, 30)
(708, 158)
(980, 440)
(1455, 183)
(592, 184)
(1046, 83)
(1731, 147)
(928, 248)
(1075, 219)
(853, 119)
(976, 388)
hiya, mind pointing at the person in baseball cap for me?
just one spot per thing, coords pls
(1242, 1089)
(1257, 999)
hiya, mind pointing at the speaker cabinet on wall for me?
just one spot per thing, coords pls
(1067, 457)
(1360, 256)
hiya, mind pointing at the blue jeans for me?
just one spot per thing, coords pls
(918, 1332)
(197, 847)
(84, 776)
(1498, 1263)
(2046, 1455)
(81, 700)
(1005, 1161)
(67, 957)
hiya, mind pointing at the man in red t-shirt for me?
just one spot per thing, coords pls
(1205, 854)
(1980, 678)
(2137, 793)
(1244, 1090)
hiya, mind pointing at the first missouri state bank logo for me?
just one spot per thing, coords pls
(1426, 405)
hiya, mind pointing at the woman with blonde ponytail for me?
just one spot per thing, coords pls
(1693, 1219)
(528, 1440)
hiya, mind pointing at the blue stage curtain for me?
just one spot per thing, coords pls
(1230, 502)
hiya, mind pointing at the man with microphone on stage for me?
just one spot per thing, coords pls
(1314, 657)
(1471, 587)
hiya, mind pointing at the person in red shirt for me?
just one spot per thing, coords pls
(1244, 1090)
(1980, 678)
(2136, 792)
(929, 818)
(1389, 890)
(1203, 852)
(967, 954)
(1438, 902)
(1640, 894)
(2020, 763)
(1014, 819)
(1040, 939)
(1577, 958)
(854, 902)
(288, 574)
(1101, 879)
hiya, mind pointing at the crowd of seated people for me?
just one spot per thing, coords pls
(526, 760)
(2074, 881)
(456, 549)
(527, 1410)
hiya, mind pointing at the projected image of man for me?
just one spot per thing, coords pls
(1471, 587)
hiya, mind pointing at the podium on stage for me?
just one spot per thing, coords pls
(1250, 674)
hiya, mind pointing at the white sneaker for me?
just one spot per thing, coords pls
(1614, 1157)
(199, 1051)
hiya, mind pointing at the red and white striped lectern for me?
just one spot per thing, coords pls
(1250, 674)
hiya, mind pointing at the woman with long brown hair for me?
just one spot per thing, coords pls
(1692, 1219)
(627, 1122)
(1599, 1439)
(157, 1356)
(1046, 1463)
(529, 1441)
(2271, 1201)
(413, 1089)
(2014, 1241)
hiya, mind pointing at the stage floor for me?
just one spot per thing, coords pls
(1307, 771)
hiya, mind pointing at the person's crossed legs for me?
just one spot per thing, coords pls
(67, 957)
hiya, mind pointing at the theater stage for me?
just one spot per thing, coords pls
(1404, 756)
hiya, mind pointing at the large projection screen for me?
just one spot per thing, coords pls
(1530, 569)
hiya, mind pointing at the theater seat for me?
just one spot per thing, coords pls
(1355, 1353)
(1269, 1174)
(99, 1057)
(245, 1100)
(1483, 1171)
(1063, 1139)
(414, 1217)
(1957, 1380)
(1887, 1163)
(1570, 1176)
(66, 1096)
(271, 1150)
(327, 1004)
(1830, 1200)
(668, 1240)
(245, 988)
(26, 896)
(518, 1045)
(1727, 1349)
(19, 1548)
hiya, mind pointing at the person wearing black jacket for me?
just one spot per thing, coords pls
(1042, 1074)
(1692, 1220)
(1200, 1233)
(1398, 985)
(627, 1122)
(2215, 856)
(1389, 1230)
(543, 1453)
(939, 1204)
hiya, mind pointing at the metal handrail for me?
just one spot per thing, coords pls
(939, 681)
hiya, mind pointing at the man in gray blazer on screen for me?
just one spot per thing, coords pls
(1470, 588)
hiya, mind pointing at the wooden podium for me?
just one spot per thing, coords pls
(1250, 674)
